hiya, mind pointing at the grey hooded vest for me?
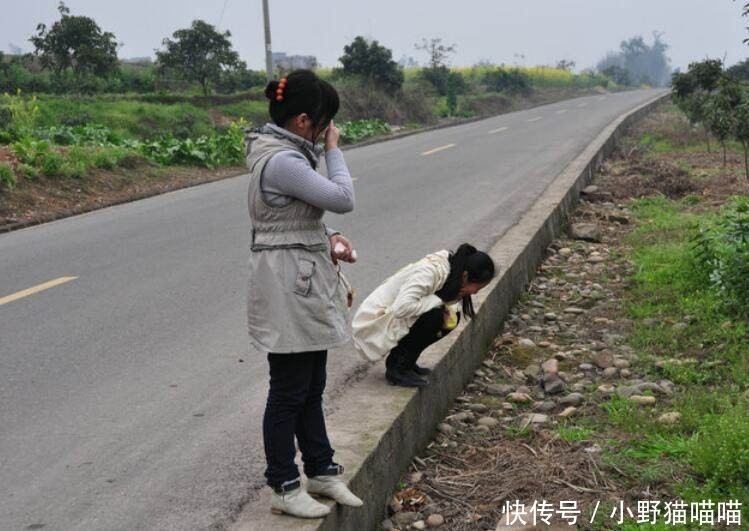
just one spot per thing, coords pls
(296, 301)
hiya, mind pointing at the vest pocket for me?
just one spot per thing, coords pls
(303, 282)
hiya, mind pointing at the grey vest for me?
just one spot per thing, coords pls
(296, 301)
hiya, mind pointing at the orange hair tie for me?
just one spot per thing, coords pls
(280, 89)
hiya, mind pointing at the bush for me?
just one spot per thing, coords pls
(7, 177)
(20, 116)
(359, 130)
(513, 81)
(364, 101)
(722, 254)
(720, 451)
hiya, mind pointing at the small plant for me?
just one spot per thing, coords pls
(722, 254)
(357, 131)
(24, 114)
(7, 177)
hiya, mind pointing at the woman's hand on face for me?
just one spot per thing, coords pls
(348, 249)
(332, 134)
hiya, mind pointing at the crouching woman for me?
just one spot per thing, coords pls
(416, 307)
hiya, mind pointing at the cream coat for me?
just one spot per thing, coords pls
(386, 316)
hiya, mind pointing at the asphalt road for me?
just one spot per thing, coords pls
(129, 395)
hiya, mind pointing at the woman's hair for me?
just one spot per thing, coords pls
(480, 269)
(303, 92)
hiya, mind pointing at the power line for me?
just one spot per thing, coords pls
(221, 18)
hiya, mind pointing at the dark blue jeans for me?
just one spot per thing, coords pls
(294, 408)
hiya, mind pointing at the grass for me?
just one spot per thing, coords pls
(705, 454)
(126, 117)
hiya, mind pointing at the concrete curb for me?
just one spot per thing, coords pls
(380, 428)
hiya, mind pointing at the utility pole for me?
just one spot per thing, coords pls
(268, 56)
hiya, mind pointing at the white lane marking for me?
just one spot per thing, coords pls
(34, 289)
(561, 111)
(498, 130)
(537, 118)
(583, 104)
(435, 150)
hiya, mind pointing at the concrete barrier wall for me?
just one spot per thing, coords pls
(378, 429)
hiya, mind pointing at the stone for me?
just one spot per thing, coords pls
(574, 310)
(395, 505)
(680, 327)
(547, 405)
(625, 373)
(527, 343)
(550, 316)
(568, 412)
(625, 391)
(499, 389)
(445, 429)
(610, 372)
(606, 389)
(572, 399)
(550, 366)
(596, 259)
(487, 421)
(544, 344)
(478, 408)
(553, 384)
(520, 398)
(670, 418)
(618, 217)
(565, 251)
(603, 359)
(651, 386)
(621, 363)
(482, 429)
(463, 416)
(586, 367)
(590, 232)
(435, 520)
(650, 322)
(590, 189)
(416, 477)
(419, 524)
(387, 525)
(538, 418)
(643, 400)
(532, 372)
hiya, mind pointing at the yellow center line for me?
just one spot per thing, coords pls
(498, 130)
(441, 148)
(561, 111)
(537, 118)
(34, 289)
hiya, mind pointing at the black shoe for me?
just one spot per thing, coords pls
(404, 378)
(421, 371)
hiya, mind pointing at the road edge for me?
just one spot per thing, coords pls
(380, 428)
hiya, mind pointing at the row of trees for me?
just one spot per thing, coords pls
(717, 101)
(638, 62)
(77, 54)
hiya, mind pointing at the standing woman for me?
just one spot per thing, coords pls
(297, 298)
(417, 307)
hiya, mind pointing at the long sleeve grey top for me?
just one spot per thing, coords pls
(288, 175)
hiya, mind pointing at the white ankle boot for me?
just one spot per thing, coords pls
(298, 503)
(333, 487)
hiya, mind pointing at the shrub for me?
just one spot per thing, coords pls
(359, 130)
(722, 254)
(21, 114)
(720, 451)
(513, 81)
(7, 177)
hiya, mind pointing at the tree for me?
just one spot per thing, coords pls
(693, 90)
(741, 131)
(566, 64)
(77, 43)
(373, 63)
(199, 53)
(436, 71)
(645, 63)
(719, 111)
(618, 74)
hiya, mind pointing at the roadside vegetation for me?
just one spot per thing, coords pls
(623, 374)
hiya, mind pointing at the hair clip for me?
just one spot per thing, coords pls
(280, 89)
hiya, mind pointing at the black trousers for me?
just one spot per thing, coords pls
(428, 328)
(294, 408)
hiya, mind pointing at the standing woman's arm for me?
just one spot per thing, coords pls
(289, 173)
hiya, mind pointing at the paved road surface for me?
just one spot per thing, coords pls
(124, 403)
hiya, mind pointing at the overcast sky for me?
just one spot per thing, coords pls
(544, 31)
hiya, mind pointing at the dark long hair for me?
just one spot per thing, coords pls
(480, 269)
(304, 93)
